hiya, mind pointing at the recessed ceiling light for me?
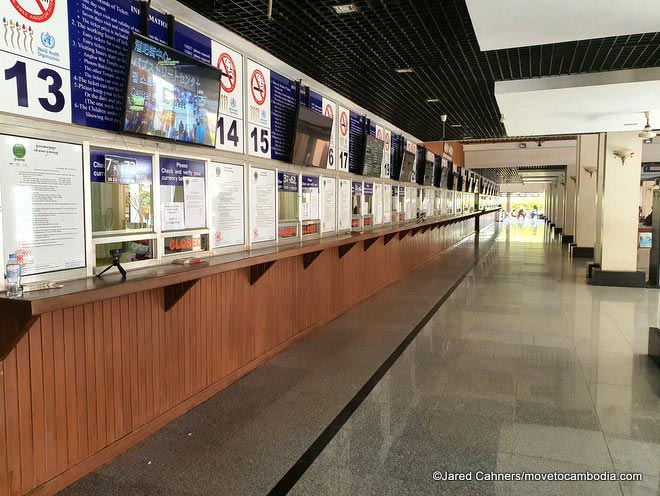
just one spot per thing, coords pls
(405, 70)
(432, 100)
(346, 8)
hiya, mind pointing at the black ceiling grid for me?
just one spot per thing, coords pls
(356, 55)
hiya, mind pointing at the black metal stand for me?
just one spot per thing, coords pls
(115, 263)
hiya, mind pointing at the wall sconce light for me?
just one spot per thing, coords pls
(589, 170)
(572, 178)
(623, 155)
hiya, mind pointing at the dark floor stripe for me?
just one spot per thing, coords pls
(299, 468)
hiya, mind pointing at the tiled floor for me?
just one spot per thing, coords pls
(523, 368)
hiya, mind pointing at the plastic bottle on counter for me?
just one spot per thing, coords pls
(13, 275)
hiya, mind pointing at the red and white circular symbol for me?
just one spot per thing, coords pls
(228, 68)
(35, 10)
(258, 87)
(379, 134)
(328, 111)
(343, 123)
(22, 257)
(218, 237)
(387, 142)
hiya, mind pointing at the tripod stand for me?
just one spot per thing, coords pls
(115, 263)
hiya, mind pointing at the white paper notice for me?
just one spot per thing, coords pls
(387, 203)
(378, 203)
(344, 204)
(194, 202)
(172, 213)
(228, 205)
(262, 205)
(329, 202)
(42, 194)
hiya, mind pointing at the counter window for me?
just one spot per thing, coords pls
(287, 195)
(121, 191)
(136, 250)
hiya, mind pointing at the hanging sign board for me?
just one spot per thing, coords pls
(258, 105)
(230, 116)
(330, 110)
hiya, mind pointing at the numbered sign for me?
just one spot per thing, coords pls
(34, 59)
(330, 110)
(387, 154)
(230, 115)
(344, 135)
(258, 97)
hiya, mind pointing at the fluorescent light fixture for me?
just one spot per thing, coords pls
(455, 125)
(346, 8)
(405, 70)
(467, 137)
(432, 100)
(631, 124)
(522, 145)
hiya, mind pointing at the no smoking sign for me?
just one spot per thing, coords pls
(34, 10)
(258, 87)
(228, 67)
(343, 123)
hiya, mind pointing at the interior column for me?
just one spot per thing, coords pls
(616, 247)
(569, 217)
(585, 205)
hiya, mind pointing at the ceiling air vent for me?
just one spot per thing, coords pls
(346, 8)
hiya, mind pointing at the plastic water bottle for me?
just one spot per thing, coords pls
(13, 274)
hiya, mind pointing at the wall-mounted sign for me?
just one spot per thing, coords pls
(42, 210)
(227, 205)
(182, 209)
(230, 116)
(263, 219)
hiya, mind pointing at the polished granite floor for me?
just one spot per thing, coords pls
(524, 368)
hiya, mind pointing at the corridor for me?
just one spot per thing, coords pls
(516, 365)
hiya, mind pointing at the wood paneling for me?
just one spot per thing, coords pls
(87, 382)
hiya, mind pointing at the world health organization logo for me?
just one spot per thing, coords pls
(48, 40)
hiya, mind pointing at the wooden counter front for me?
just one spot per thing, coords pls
(105, 363)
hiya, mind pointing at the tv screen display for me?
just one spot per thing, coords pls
(169, 94)
(312, 138)
(407, 166)
(373, 156)
(428, 173)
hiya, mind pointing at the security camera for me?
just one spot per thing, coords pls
(443, 117)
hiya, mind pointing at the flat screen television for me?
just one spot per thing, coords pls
(373, 156)
(169, 94)
(407, 166)
(311, 141)
(428, 173)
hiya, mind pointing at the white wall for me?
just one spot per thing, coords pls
(509, 154)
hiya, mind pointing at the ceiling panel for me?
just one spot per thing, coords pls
(357, 54)
(515, 23)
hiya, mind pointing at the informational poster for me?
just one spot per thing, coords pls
(407, 203)
(194, 202)
(387, 154)
(344, 199)
(34, 59)
(192, 43)
(227, 205)
(310, 198)
(329, 204)
(172, 216)
(43, 212)
(183, 181)
(378, 203)
(263, 214)
(344, 138)
(330, 110)
(258, 105)
(356, 124)
(230, 114)
(387, 203)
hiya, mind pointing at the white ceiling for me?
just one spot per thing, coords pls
(520, 23)
(584, 103)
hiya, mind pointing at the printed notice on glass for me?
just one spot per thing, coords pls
(262, 205)
(344, 204)
(228, 205)
(172, 213)
(194, 202)
(329, 202)
(42, 214)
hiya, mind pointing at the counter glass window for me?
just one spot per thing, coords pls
(135, 250)
(356, 203)
(121, 192)
(368, 202)
(287, 196)
(182, 193)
